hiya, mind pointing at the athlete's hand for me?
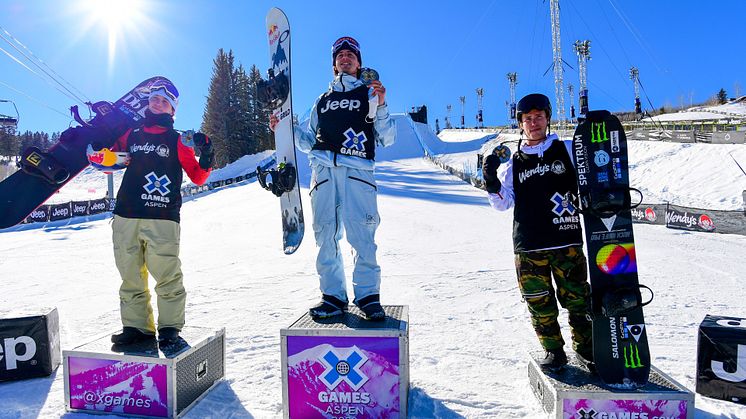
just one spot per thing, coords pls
(489, 172)
(378, 90)
(273, 121)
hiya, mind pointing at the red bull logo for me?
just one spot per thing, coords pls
(273, 32)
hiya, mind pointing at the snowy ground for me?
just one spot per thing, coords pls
(443, 251)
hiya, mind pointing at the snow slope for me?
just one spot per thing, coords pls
(443, 251)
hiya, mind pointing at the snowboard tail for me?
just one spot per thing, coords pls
(22, 192)
(620, 345)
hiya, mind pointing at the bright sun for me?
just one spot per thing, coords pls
(118, 17)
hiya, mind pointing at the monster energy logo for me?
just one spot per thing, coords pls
(632, 358)
(598, 132)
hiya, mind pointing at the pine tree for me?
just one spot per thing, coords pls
(722, 96)
(242, 137)
(265, 140)
(216, 120)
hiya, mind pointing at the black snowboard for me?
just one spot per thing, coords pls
(22, 192)
(620, 344)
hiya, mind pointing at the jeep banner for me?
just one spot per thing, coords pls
(79, 208)
(60, 212)
(29, 346)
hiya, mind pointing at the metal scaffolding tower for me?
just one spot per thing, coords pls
(513, 80)
(571, 93)
(462, 99)
(480, 95)
(583, 49)
(634, 74)
(448, 116)
(559, 90)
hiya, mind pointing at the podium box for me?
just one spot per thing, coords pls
(721, 358)
(575, 393)
(346, 366)
(140, 379)
(29, 344)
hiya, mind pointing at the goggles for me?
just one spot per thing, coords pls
(346, 42)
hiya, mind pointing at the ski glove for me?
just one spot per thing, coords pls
(207, 156)
(489, 172)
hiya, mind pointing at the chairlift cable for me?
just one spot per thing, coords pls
(36, 100)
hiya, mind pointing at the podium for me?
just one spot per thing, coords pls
(575, 393)
(721, 358)
(346, 366)
(141, 379)
(29, 344)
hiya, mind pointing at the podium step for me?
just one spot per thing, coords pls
(142, 379)
(574, 392)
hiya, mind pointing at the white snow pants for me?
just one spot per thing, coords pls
(344, 199)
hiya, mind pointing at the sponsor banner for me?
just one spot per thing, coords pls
(105, 385)
(26, 348)
(721, 358)
(79, 208)
(689, 220)
(607, 409)
(112, 203)
(39, 215)
(98, 206)
(729, 137)
(649, 214)
(349, 377)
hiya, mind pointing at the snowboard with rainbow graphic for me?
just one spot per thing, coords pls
(620, 343)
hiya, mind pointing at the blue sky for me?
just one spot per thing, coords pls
(427, 52)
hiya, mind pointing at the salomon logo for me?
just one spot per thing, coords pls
(9, 351)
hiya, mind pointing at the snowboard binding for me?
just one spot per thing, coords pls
(273, 93)
(278, 181)
(40, 164)
(608, 203)
(623, 300)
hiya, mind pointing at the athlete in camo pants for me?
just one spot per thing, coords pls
(537, 183)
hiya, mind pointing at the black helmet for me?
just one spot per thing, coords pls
(533, 101)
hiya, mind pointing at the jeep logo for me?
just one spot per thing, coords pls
(11, 354)
(60, 212)
(350, 105)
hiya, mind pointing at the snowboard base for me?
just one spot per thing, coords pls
(573, 392)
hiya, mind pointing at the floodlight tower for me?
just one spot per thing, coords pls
(448, 116)
(583, 49)
(571, 92)
(634, 74)
(462, 99)
(559, 90)
(480, 95)
(513, 80)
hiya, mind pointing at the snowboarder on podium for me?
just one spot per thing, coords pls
(146, 231)
(538, 183)
(341, 144)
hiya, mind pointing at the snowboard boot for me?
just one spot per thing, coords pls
(169, 340)
(40, 164)
(130, 335)
(168, 334)
(371, 307)
(328, 307)
(584, 354)
(554, 359)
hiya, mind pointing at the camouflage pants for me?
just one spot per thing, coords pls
(568, 266)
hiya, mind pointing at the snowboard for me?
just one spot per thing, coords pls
(275, 93)
(620, 343)
(44, 172)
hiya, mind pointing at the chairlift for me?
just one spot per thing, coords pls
(9, 123)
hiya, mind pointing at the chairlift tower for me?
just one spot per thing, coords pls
(583, 50)
(480, 95)
(448, 116)
(462, 99)
(559, 89)
(513, 80)
(9, 123)
(571, 93)
(634, 74)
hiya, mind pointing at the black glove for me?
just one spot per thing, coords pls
(206, 155)
(489, 172)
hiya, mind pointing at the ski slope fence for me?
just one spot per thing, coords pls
(57, 212)
(668, 214)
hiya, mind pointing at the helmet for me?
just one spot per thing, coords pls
(106, 160)
(533, 101)
(164, 88)
(349, 43)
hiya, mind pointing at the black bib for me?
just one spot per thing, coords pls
(342, 127)
(151, 186)
(543, 216)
